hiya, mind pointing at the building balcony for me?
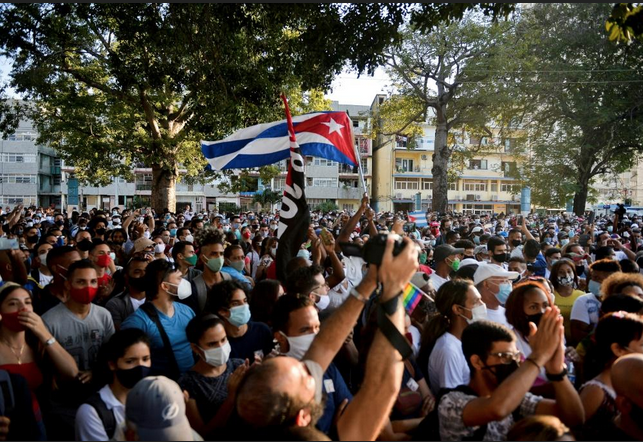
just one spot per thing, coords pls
(350, 193)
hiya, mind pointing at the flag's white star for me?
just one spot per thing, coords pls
(333, 126)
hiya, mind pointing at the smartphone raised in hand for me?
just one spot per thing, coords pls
(592, 216)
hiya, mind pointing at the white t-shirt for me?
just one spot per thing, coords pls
(415, 333)
(44, 279)
(136, 303)
(353, 271)
(517, 252)
(437, 280)
(447, 365)
(586, 309)
(89, 425)
(497, 316)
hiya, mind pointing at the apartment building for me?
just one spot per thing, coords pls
(30, 174)
(404, 181)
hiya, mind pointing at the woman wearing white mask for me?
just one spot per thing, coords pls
(159, 248)
(212, 382)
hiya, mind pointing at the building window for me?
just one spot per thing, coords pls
(355, 123)
(18, 179)
(324, 162)
(453, 186)
(477, 209)
(404, 165)
(478, 164)
(475, 186)
(324, 182)
(348, 207)
(406, 185)
(512, 188)
(14, 157)
(494, 187)
(427, 184)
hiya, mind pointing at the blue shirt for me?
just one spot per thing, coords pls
(175, 330)
(257, 337)
(541, 265)
(237, 276)
(333, 398)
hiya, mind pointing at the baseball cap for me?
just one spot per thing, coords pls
(469, 262)
(486, 271)
(142, 244)
(476, 229)
(156, 406)
(443, 251)
(480, 249)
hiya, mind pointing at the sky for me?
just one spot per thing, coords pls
(348, 89)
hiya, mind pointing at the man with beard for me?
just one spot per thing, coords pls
(129, 300)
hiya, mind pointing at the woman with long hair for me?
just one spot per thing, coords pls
(526, 304)
(26, 344)
(125, 360)
(459, 304)
(617, 334)
(268, 255)
(213, 380)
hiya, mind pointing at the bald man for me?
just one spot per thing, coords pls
(627, 379)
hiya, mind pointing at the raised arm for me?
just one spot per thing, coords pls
(338, 269)
(369, 410)
(337, 327)
(345, 234)
(525, 230)
(510, 393)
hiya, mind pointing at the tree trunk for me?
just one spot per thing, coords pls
(580, 198)
(440, 202)
(163, 189)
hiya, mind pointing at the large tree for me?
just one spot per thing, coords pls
(111, 86)
(583, 97)
(437, 78)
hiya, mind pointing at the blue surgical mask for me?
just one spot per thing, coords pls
(239, 315)
(476, 240)
(610, 228)
(303, 254)
(503, 293)
(564, 242)
(595, 288)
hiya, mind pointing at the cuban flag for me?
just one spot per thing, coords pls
(294, 216)
(321, 134)
(419, 218)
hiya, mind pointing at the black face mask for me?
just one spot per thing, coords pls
(580, 270)
(101, 231)
(84, 245)
(137, 283)
(32, 239)
(502, 371)
(60, 222)
(128, 378)
(500, 257)
(535, 318)
(516, 242)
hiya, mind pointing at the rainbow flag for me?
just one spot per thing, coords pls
(411, 297)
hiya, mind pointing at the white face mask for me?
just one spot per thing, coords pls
(217, 356)
(147, 234)
(189, 238)
(43, 259)
(299, 345)
(478, 313)
(323, 302)
(274, 251)
(159, 248)
(184, 289)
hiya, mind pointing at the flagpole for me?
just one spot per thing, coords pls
(359, 162)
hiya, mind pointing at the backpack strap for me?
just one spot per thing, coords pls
(150, 310)
(201, 292)
(106, 415)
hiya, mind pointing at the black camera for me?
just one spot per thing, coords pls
(373, 250)
(621, 210)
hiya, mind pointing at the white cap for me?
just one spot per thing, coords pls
(469, 262)
(486, 271)
(476, 229)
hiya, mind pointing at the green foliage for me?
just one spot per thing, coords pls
(326, 206)
(267, 197)
(581, 97)
(625, 23)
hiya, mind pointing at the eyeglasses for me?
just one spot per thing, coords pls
(508, 357)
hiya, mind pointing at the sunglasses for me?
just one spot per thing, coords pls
(508, 357)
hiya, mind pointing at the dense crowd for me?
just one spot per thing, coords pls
(138, 325)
